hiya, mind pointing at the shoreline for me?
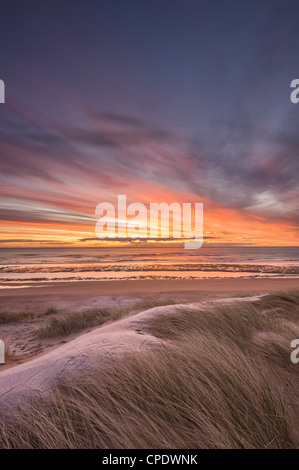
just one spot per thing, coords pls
(87, 294)
(127, 286)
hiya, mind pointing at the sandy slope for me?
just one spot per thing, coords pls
(84, 353)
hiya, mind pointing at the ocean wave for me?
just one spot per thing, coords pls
(205, 267)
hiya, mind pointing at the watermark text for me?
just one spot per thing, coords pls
(2, 91)
(155, 221)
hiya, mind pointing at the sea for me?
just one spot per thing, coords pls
(32, 266)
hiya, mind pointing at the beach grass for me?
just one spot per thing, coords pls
(71, 322)
(10, 316)
(221, 378)
(63, 323)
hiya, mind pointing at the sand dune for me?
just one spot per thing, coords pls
(84, 353)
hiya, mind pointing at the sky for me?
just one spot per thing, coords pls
(160, 100)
